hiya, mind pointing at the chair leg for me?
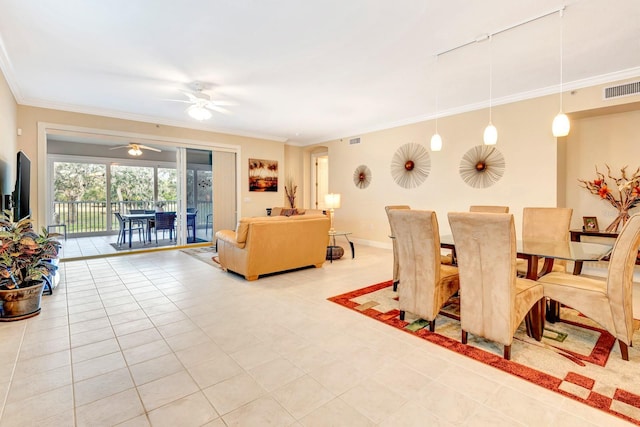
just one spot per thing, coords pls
(624, 350)
(534, 320)
(464, 336)
(395, 285)
(401, 315)
(507, 352)
(432, 325)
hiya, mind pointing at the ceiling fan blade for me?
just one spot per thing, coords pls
(146, 147)
(221, 103)
(218, 109)
(183, 101)
(120, 146)
(192, 97)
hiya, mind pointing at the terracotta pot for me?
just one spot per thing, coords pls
(21, 303)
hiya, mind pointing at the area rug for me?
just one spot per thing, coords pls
(205, 254)
(575, 358)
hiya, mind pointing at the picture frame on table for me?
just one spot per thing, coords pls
(590, 223)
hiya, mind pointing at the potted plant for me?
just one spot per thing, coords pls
(26, 260)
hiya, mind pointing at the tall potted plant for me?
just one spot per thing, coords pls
(26, 258)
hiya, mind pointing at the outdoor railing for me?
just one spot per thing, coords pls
(96, 218)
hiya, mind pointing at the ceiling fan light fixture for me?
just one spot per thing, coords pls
(134, 151)
(199, 113)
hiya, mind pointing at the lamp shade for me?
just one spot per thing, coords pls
(436, 142)
(332, 200)
(561, 125)
(199, 113)
(490, 135)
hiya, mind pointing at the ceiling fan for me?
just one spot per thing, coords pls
(201, 102)
(136, 149)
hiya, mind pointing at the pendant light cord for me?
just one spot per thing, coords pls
(490, 75)
(561, 54)
(437, 92)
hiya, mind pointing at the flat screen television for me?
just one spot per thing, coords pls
(21, 194)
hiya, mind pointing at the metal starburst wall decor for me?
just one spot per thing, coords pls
(362, 176)
(482, 166)
(410, 165)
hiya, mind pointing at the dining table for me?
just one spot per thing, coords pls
(534, 250)
(145, 217)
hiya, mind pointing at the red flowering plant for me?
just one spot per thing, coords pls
(624, 195)
(25, 256)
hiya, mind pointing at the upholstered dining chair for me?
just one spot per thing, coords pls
(608, 301)
(489, 209)
(493, 300)
(548, 224)
(393, 244)
(425, 283)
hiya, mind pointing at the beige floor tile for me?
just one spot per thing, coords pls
(255, 355)
(132, 326)
(200, 353)
(336, 413)
(484, 416)
(154, 369)
(165, 390)
(261, 412)
(38, 407)
(189, 339)
(41, 364)
(111, 410)
(276, 373)
(453, 406)
(413, 414)
(234, 392)
(193, 410)
(97, 366)
(145, 352)
(521, 407)
(83, 338)
(138, 338)
(177, 328)
(39, 383)
(338, 376)
(90, 351)
(139, 421)
(302, 396)
(373, 400)
(215, 370)
(102, 386)
(400, 378)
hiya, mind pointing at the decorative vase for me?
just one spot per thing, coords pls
(623, 216)
(20, 303)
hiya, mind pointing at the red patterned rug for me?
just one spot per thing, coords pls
(575, 358)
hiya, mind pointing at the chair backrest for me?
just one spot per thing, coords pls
(486, 254)
(417, 239)
(136, 211)
(620, 277)
(149, 211)
(165, 220)
(546, 223)
(120, 219)
(191, 210)
(490, 209)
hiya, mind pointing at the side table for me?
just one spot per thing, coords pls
(345, 234)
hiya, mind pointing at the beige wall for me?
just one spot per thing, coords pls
(8, 141)
(612, 139)
(535, 172)
(251, 203)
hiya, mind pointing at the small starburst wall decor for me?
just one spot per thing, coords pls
(362, 176)
(410, 165)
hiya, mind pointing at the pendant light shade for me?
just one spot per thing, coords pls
(490, 135)
(561, 125)
(436, 142)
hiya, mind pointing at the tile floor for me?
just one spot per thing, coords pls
(164, 339)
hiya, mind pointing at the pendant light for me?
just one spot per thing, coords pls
(561, 125)
(490, 132)
(436, 140)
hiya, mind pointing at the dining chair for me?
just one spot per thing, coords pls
(606, 301)
(124, 230)
(493, 300)
(449, 259)
(489, 209)
(425, 283)
(545, 224)
(165, 221)
(393, 244)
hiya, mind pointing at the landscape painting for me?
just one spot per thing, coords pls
(263, 175)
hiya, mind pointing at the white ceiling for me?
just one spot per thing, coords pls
(312, 70)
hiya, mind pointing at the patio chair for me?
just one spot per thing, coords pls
(124, 230)
(165, 221)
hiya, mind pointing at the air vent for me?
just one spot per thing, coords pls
(622, 90)
(354, 141)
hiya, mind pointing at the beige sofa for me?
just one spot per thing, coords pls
(265, 245)
(279, 210)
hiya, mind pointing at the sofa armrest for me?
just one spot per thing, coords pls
(229, 236)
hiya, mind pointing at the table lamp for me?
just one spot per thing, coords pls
(332, 201)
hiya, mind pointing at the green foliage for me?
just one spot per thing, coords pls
(79, 182)
(131, 183)
(25, 255)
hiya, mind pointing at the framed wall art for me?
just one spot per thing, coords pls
(263, 175)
